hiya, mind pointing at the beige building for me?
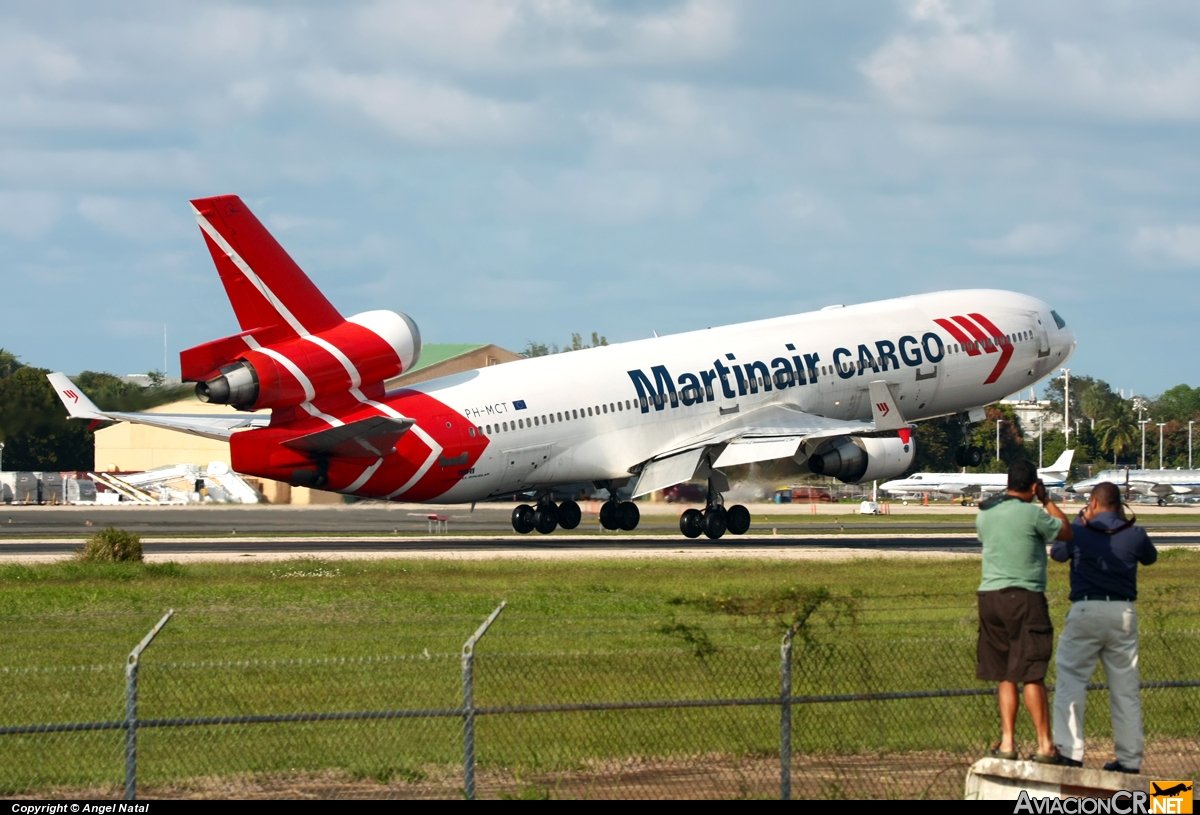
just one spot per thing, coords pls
(126, 447)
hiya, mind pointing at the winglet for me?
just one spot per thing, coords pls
(884, 411)
(76, 401)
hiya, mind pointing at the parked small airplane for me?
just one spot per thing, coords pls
(1160, 483)
(975, 484)
(834, 390)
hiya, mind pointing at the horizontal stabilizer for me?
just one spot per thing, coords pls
(366, 438)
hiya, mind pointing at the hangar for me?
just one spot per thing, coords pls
(129, 447)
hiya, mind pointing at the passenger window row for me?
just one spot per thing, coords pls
(779, 379)
(558, 418)
(981, 345)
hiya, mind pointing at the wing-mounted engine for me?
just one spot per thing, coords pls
(364, 349)
(854, 459)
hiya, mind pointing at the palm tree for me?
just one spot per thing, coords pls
(1115, 432)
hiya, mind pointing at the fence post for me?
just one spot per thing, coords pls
(785, 716)
(131, 677)
(468, 677)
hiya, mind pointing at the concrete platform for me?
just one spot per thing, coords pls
(997, 779)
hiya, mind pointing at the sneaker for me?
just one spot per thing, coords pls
(1116, 767)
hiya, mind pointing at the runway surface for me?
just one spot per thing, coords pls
(486, 519)
(580, 545)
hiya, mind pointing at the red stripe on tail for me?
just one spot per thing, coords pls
(282, 295)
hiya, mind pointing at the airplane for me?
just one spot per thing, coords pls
(975, 484)
(834, 390)
(1170, 792)
(1159, 483)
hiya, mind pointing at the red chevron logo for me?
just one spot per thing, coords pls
(984, 337)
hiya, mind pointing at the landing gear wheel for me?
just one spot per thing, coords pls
(545, 519)
(569, 514)
(522, 519)
(968, 457)
(737, 518)
(715, 522)
(628, 515)
(608, 515)
(691, 523)
(1162, 502)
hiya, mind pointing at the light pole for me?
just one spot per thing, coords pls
(1143, 423)
(1067, 403)
(998, 423)
(1189, 443)
(1041, 435)
(1160, 444)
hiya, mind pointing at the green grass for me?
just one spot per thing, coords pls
(306, 635)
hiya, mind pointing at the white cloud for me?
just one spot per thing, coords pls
(138, 220)
(421, 110)
(957, 55)
(1028, 240)
(31, 60)
(1178, 244)
(29, 215)
(110, 169)
(515, 35)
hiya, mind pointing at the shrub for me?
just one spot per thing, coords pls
(112, 545)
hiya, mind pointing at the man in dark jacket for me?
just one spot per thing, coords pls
(1104, 552)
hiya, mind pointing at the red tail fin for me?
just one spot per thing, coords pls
(264, 285)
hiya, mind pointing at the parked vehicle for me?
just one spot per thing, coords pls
(686, 493)
(809, 495)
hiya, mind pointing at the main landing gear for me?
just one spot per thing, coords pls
(968, 456)
(545, 516)
(715, 520)
(623, 515)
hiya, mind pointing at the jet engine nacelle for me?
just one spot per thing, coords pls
(854, 459)
(365, 349)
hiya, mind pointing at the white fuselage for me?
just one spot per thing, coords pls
(1146, 482)
(591, 415)
(962, 483)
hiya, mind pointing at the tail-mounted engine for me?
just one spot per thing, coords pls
(854, 459)
(364, 349)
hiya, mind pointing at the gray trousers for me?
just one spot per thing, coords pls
(1104, 630)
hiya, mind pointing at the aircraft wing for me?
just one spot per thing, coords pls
(768, 433)
(214, 426)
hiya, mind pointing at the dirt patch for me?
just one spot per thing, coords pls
(928, 774)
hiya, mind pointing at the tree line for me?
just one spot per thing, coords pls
(33, 422)
(1105, 430)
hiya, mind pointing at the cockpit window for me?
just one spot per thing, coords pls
(1058, 321)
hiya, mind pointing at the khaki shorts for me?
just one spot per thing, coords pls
(1016, 637)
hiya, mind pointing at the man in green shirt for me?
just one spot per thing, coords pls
(1016, 637)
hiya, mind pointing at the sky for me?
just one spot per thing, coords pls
(509, 171)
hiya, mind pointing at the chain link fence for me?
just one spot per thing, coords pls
(823, 711)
